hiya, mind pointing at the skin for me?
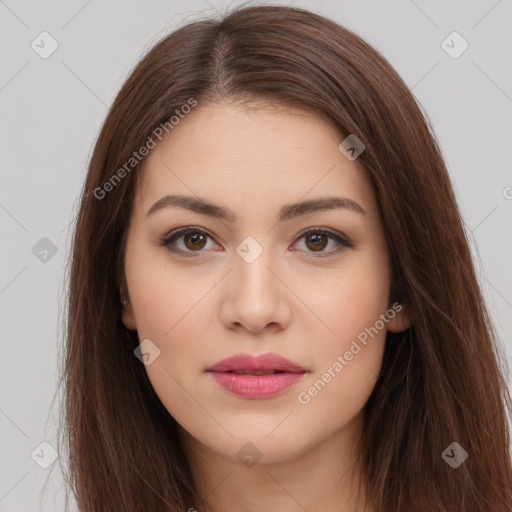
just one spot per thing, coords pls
(201, 309)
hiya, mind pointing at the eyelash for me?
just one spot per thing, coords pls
(168, 239)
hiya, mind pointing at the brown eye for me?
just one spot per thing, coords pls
(318, 241)
(188, 241)
(194, 241)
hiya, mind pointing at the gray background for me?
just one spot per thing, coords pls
(51, 111)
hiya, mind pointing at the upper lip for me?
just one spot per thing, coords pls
(263, 362)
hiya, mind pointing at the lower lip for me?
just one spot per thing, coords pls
(257, 386)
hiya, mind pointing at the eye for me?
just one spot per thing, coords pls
(194, 240)
(316, 239)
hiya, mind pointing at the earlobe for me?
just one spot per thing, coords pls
(400, 321)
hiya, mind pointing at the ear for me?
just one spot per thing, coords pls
(128, 317)
(399, 318)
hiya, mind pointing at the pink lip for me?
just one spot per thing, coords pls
(256, 386)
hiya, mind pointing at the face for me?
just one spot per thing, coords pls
(308, 284)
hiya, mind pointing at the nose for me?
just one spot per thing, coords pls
(255, 296)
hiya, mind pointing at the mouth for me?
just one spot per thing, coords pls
(264, 376)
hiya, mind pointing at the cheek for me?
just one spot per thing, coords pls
(161, 293)
(349, 299)
(348, 365)
(171, 309)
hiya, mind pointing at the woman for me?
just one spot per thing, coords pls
(272, 302)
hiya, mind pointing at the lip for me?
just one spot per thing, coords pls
(256, 386)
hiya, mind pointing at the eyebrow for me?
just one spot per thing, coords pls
(287, 211)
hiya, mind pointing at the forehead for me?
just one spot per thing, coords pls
(262, 155)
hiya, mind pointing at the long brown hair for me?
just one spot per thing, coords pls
(441, 380)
